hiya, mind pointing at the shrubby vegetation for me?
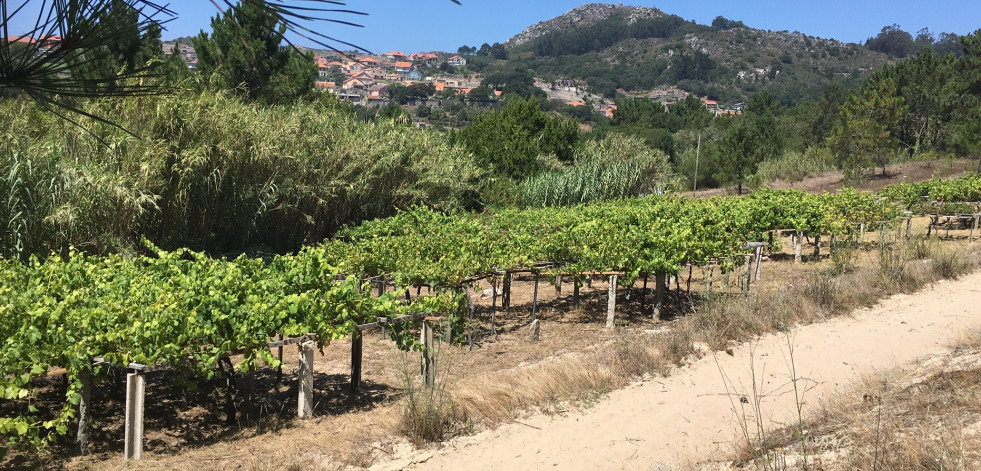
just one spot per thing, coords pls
(213, 173)
(612, 168)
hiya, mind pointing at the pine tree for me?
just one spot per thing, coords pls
(863, 137)
(245, 52)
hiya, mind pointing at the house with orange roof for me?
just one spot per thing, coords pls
(324, 86)
(403, 66)
(46, 42)
(457, 61)
(576, 103)
(368, 61)
(394, 55)
(609, 111)
(427, 58)
(20, 39)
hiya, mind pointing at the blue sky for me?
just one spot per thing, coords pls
(425, 25)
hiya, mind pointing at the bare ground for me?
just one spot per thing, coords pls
(695, 413)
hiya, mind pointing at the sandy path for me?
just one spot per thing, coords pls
(665, 421)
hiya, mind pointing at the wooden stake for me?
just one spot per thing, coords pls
(229, 373)
(534, 301)
(428, 369)
(135, 394)
(304, 402)
(506, 292)
(708, 277)
(799, 246)
(279, 370)
(744, 275)
(470, 320)
(759, 260)
(575, 291)
(659, 279)
(357, 355)
(611, 304)
(494, 308)
(84, 404)
(817, 247)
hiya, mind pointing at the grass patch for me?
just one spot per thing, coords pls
(926, 417)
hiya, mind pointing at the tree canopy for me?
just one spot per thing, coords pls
(511, 141)
(245, 52)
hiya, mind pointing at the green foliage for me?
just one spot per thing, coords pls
(936, 190)
(615, 167)
(794, 166)
(511, 141)
(606, 33)
(761, 113)
(722, 23)
(212, 173)
(892, 41)
(181, 309)
(403, 94)
(244, 52)
(863, 136)
(516, 82)
(742, 151)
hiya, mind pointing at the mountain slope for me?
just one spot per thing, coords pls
(637, 49)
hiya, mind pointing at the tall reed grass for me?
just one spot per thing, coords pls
(612, 168)
(210, 172)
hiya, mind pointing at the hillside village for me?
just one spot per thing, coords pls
(365, 79)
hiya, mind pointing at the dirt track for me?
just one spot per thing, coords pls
(665, 422)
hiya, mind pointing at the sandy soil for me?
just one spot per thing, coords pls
(665, 423)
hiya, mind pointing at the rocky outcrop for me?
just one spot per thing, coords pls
(582, 16)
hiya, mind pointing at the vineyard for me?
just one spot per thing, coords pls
(80, 315)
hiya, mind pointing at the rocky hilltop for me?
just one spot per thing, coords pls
(583, 16)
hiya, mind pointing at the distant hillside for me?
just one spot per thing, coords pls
(580, 17)
(637, 49)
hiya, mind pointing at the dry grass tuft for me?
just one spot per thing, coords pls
(579, 378)
(916, 419)
(574, 379)
(901, 267)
